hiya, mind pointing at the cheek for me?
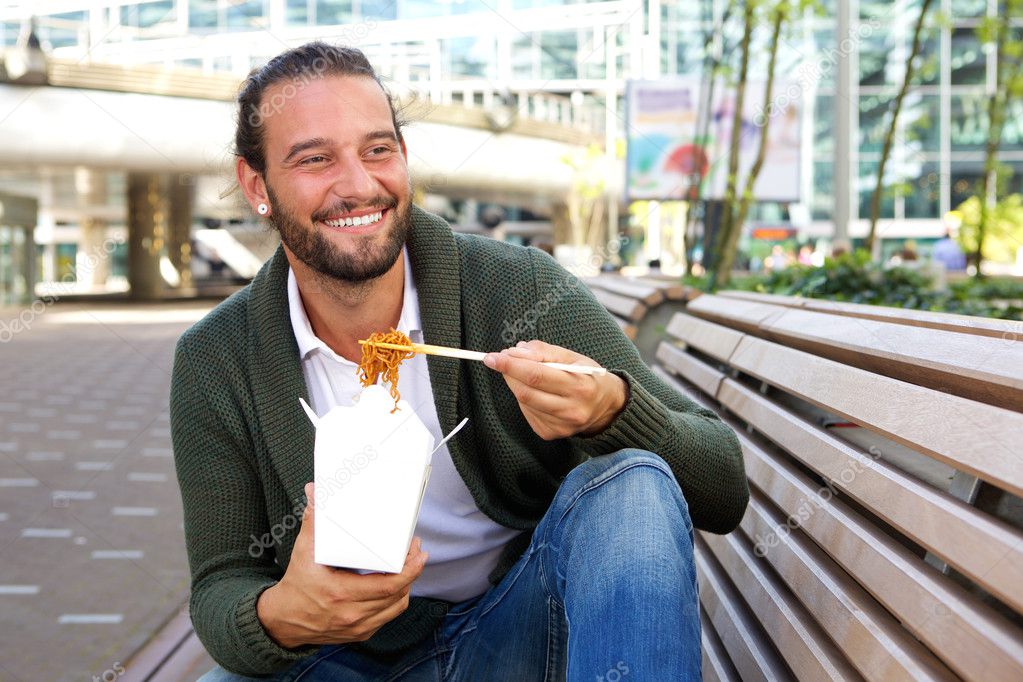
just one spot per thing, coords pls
(395, 179)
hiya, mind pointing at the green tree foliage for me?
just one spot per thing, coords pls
(1003, 229)
(999, 34)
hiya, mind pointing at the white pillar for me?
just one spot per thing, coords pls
(846, 100)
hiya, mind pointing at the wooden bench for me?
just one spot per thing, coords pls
(883, 537)
(639, 304)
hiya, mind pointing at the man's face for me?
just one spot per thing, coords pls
(336, 176)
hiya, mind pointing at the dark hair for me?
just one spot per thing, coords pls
(300, 65)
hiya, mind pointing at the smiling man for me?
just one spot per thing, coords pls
(555, 539)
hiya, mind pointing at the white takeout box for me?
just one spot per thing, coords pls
(370, 469)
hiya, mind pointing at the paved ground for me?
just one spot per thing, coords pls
(92, 558)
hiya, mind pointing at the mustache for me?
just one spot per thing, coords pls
(348, 206)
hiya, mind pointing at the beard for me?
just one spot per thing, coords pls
(374, 255)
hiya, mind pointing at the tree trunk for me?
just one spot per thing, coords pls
(889, 138)
(726, 257)
(996, 119)
(728, 204)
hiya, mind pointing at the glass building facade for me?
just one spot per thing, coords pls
(588, 50)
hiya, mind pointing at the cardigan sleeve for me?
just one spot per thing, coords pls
(230, 550)
(702, 451)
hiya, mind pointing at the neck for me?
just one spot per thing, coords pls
(341, 313)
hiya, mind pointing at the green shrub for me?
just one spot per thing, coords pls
(856, 279)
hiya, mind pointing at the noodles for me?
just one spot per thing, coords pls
(376, 360)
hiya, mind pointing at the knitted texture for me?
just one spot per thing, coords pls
(243, 447)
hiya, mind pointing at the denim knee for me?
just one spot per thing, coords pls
(632, 480)
(596, 469)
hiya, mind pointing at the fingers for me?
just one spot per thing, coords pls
(382, 586)
(537, 399)
(519, 364)
(546, 352)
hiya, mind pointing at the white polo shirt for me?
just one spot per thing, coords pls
(463, 543)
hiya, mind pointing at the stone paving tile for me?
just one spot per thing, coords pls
(92, 557)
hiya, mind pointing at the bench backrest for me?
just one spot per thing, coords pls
(885, 458)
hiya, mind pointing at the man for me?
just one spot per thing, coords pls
(552, 542)
(947, 252)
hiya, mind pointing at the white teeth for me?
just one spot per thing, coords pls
(357, 221)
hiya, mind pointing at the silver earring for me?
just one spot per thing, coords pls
(262, 208)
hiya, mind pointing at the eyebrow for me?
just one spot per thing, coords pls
(312, 142)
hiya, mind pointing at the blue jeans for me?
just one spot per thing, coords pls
(606, 591)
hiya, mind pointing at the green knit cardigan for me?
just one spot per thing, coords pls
(243, 447)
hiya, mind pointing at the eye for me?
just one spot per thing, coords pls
(312, 159)
(379, 150)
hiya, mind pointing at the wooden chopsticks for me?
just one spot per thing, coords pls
(477, 355)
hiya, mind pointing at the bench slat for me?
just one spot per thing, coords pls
(873, 641)
(751, 653)
(672, 289)
(801, 642)
(715, 340)
(987, 550)
(616, 284)
(977, 367)
(925, 421)
(623, 306)
(716, 665)
(970, 637)
(747, 316)
(687, 366)
(964, 324)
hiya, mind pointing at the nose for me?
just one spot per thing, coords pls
(353, 181)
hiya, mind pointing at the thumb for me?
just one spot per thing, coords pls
(308, 517)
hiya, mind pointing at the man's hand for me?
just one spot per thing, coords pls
(315, 604)
(559, 404)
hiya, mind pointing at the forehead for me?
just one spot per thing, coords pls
(340, 107)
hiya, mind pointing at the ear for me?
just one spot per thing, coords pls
(401, 143)
(252, 184)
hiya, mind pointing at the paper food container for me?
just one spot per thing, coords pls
(370, 470)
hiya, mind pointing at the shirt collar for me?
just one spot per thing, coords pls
(307, 339)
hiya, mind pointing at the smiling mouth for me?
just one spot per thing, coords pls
(357, 221)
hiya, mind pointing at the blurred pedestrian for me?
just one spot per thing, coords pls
(947, 252)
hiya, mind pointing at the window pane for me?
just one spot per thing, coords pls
(874, 120)
(968, 8)
(296, 13)
(965, 176)
(921, 121)
(378, 9)
(246, 15)
(968, 62)
(469, 57)
(202, 14)
(875, 51)
(823, 126)
(332, 12)
(868, 179)
(822, 202)
(923, 191)
(968, 130)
